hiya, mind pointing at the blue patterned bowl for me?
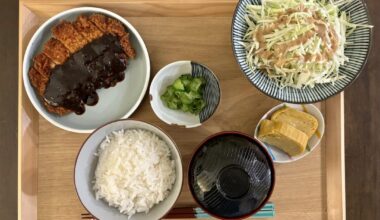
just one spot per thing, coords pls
(357, 52)
(166, 76)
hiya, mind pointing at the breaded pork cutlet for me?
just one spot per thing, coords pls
(38, 81)
(57, 110)
(108, 25)
(126, 45)
(43, 64)
(68, 39)
(71, 38)
(114, 27)
(85, 27)
(56, 51)
(99, 21)
(39, 74)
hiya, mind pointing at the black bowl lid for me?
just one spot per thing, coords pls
(231, 176)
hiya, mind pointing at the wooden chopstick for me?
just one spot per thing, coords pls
(268, 207)
(179, 215)
(87, 216)
(183, 210)
(194, 212)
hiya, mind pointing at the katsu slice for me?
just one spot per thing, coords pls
(127, 47)
(99, 21)
(115, 27)
(71, 38)
(39, 74)
(67, 73)
(38, 81)
(56, 109)
(85, 27)
(56, 51)
(108, 25)
(43, 64)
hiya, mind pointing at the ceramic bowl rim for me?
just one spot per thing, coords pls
(319, 99)
(163, 71)
(174, 147)
(30, 90)
(312, 148)
(260, 146)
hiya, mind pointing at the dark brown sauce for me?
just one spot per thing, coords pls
(99, 64)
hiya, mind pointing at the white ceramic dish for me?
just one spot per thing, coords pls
(280, 156)
(166, 76)
(85, 168)
(114, 103)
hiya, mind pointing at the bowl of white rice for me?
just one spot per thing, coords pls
(128, 169)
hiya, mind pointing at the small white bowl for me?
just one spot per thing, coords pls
(85, 166)
(166, 76)
(114, 103)
(280, 156)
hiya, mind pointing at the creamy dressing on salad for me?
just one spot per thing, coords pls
(298, 43)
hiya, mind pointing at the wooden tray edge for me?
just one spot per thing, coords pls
(334, 157)
(27, 138)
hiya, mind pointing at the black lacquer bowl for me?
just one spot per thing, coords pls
(231, 175)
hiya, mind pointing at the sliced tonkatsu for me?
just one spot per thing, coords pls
(56, 109)
(87, 29)
(38, 81)
(69, 36)
(82, 56)
(114, 27)
(43, 64)
(126, 44)
(100, 21)
(56, 51)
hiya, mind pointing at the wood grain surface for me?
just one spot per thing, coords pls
(302, 188)
(362, 116)
(238, 111)
(362, 134)
(8, 111)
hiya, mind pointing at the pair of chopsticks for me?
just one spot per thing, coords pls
(266, 212)
(87, 216)
(194, 212)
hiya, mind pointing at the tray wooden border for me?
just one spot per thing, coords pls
(28, 116)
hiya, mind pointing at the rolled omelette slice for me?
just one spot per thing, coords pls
(283, 136)
(298, 119)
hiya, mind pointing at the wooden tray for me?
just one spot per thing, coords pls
(312, 188)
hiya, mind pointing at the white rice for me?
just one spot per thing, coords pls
(134, 171)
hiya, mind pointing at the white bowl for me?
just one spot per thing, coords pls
(114, 103)
(86, 164)
(280, 156)
(166, 76)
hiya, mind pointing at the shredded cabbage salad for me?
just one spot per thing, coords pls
(298, 43)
